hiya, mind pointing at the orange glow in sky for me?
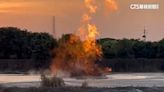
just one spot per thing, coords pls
(41, 7)
(36, 15)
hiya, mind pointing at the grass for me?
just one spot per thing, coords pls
(52, 81)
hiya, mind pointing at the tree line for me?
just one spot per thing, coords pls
(22, 44)
(16, 43)
(19, 44)
(131, 48)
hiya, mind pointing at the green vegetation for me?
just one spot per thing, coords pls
(130, 55)
(21, 44)
(22, 49)
(132, 48)
(51, 81)
(133, 65)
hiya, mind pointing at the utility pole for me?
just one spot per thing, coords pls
(53, 26)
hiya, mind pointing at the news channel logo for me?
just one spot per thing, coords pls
(144, 6)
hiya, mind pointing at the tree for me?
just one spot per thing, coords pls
(108, 47)
(16, 43)
(42, 45)
(160, 49)
(124, 48)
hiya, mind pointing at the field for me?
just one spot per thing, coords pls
(124, 82)
(111, 80)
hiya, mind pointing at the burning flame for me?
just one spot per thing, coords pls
(77, 54)
(90, 4)
(110, 5)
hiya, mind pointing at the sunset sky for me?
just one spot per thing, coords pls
(36, 16)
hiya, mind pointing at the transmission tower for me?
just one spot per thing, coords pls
(145, 34)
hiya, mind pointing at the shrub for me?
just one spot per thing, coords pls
(51, 81)
(84, 84)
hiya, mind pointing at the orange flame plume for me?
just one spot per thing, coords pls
(77, 54)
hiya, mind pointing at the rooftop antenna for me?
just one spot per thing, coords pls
(53, 26)
(144, 35)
